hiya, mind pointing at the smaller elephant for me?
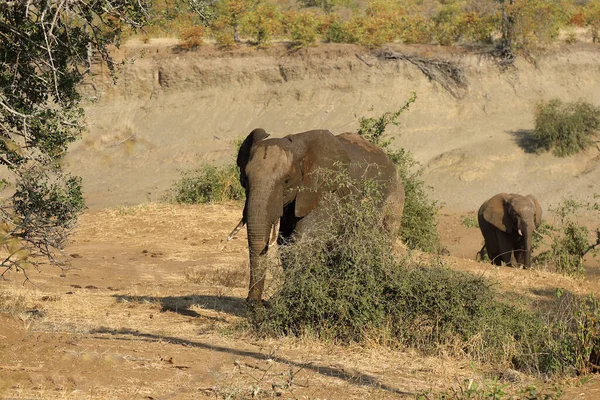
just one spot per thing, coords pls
(507, 222)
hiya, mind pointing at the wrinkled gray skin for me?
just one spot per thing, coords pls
(273, 170)
(507, 222)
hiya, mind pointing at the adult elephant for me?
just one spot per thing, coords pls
(507, 222)
(276, 174)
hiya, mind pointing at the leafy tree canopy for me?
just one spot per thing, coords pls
(45, 51)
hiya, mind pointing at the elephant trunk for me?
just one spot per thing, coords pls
(527, 230)
(262, 213)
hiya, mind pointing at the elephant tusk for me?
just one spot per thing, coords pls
(236, 230)
(520, 233)
(275, 233)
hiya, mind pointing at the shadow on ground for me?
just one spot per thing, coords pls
(182, 304)
(352, 377)
(525, 140)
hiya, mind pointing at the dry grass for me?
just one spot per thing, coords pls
(170, 324)
(218, 276)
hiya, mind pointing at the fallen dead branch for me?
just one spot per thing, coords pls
(448, 74)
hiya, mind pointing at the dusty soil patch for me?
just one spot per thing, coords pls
(145, 313)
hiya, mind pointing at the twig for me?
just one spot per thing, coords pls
(363, 60)
(131, 137)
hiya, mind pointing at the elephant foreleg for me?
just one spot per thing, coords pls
(505, 249)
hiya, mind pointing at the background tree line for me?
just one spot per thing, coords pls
(514, 25)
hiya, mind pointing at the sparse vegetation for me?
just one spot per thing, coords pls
(208, 184)
(565, 128)
(231, 278)
(420, 216)
(568, 240)
(470, 222)
(494, 389)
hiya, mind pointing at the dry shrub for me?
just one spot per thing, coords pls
(592, 19)
(568, 242)
(13, 304)
(191, 38)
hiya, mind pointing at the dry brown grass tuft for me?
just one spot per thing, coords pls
(217, 276)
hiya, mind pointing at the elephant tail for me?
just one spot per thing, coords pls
(481, 253)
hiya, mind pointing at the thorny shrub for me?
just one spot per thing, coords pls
(342, 284)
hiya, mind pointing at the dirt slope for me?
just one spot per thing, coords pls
(171, 109)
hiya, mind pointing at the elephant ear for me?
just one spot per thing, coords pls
(496, 212)
(244, 153)
(538, 211)
(321, 150)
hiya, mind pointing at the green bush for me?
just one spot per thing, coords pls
(303, 28)
(569, 241)
(446, 29)
(571, 337)
(416, 29)
(262, 23)
(338, 32)
(565, 128)
(420, 216)
(208, 184)
(343, 285)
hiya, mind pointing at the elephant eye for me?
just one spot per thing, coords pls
(286, 180)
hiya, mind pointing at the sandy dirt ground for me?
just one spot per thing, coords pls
(152, 308)
(152, 305)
